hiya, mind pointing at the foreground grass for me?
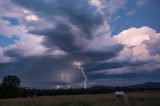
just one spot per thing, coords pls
(134, 99)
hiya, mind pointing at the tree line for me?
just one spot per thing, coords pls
(10, 88)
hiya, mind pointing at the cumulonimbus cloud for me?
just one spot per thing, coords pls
(140, 52)
(56, 33)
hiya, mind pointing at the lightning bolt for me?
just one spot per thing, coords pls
(68, 80)
(85, 80)
(61, 79)
(83, 73)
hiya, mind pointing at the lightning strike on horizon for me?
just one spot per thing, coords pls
(61, 79)
(68, 80)
(83, 73)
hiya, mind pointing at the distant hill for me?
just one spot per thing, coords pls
(99, 87)
(148, 85)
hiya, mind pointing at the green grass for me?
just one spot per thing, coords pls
(134, 99)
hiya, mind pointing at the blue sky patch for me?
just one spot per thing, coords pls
(13, 21)
(5, 41)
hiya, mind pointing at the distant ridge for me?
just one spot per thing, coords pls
(147, 85)
(151, 85)
(98, 87)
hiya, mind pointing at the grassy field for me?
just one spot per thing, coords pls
(134, 99)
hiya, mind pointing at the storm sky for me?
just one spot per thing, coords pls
(115, 41)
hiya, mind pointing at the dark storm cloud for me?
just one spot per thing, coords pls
(37, 65)
(37, 69)
(56, 82)
(125, 78)
(80, 31)
(61, 37)
(115, 64)
(66, 16)
(78, 13)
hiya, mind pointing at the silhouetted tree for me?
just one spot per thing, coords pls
(10, 86)
(11, 82)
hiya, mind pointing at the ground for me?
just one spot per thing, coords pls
(147, 98)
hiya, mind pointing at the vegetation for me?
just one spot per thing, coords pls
(151, 98)
(10, 86)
